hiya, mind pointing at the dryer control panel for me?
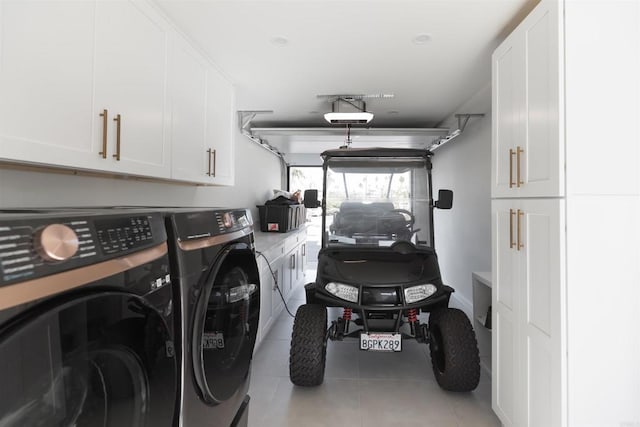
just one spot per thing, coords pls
(200, 224)
(37, 245)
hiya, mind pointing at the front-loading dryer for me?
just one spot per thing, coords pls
(217, 293)
(86, 320)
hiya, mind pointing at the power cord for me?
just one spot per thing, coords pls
(275, 283)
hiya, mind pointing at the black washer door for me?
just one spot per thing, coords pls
(95, 360)
(226, 326)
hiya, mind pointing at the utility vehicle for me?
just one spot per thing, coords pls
(378, 264)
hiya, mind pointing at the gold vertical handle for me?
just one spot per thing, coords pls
(511, 215)
(118, 121)
(520, 244)
(293, 261)
(519, 151)
(304, 249)
(104, 116)
(511, 154)
(214, 163)
(209, 157)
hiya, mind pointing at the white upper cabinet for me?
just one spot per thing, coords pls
(202, 118)
(528, 149)
(220, 127)
(46, 83)
(109, 86)
(130, 83)
(188, 100)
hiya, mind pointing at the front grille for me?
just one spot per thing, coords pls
(380, 296)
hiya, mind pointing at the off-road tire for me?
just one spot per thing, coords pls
(308, 352)
(454, 350)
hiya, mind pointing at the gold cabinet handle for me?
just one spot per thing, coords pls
(304, 249)
(209, 157)
(104, 116)
(214, 163)
(118, 121)
(520, 244)
(511, 215)
(519, 151)
(511, 154)
(293, 261)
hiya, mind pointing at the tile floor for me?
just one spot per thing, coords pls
(360, 388)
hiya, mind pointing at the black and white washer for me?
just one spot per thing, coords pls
(86, 318)
(217, 293)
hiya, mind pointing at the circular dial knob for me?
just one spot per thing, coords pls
(56, 242)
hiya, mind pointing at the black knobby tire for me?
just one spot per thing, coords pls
(454, 350)
(308, 346)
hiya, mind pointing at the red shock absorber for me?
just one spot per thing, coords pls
(412, 315)
(346, 316)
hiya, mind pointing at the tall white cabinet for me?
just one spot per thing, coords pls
(566, 217)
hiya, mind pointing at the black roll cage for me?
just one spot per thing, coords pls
(376, 153)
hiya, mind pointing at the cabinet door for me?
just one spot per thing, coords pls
(541, 164)
(220, 127)
(188, 91)
(505, 305)
(507, 119)
(276, 297)
(46, 82)
(527, 142)
(130, 75)
(266, 309)
(541, 225)
(291, 272)
(302, 263)
(529, 320)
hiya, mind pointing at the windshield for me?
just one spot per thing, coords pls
(377, 201)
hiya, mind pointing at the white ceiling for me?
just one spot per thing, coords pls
(350, 47)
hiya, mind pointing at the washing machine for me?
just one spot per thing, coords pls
(215, 279)
(86, 320)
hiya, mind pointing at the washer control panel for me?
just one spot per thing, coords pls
(122, 234)
(34, 245)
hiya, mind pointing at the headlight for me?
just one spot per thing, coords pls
(419, 292)
(346, 292)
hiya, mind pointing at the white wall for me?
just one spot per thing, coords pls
(463, 234)
(257, 172)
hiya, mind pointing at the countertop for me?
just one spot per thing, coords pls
(267, 240)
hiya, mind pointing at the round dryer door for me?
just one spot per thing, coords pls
(95, 360)
(226, 327)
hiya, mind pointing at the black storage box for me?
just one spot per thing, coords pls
(281, 218)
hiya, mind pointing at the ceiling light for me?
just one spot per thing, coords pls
(356, 117)
(421, 38)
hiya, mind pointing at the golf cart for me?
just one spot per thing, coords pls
(378, 264)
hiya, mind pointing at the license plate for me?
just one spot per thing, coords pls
(380, 342)
(212, 340)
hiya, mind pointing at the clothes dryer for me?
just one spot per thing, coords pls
(217, 290)
(86, 318)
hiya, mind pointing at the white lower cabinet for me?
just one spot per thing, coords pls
(287, 265)
(529, 312)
